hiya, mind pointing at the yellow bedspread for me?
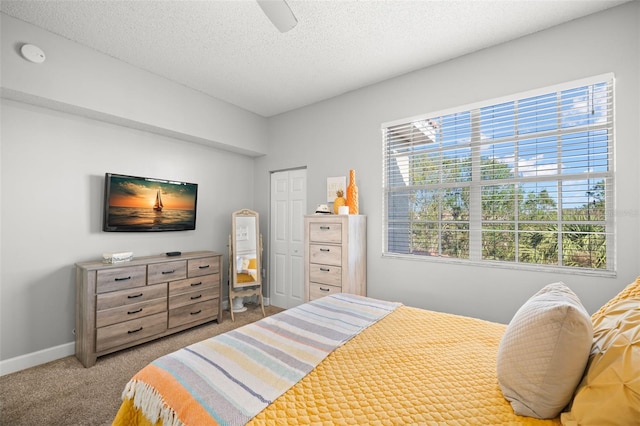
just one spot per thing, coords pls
(412, 367)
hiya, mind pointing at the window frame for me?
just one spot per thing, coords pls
(475, 184)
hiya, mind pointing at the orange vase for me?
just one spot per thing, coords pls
(352, 193)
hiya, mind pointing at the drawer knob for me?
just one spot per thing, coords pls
(168, 272)
(203, 266)
(134, 312)
(196, 312)
(134, 331)
(325, 249)
(325, 269)
(122, 279)
(324, 289)
(134, 296)
(196, 284)
(325, 228)
(196, 297)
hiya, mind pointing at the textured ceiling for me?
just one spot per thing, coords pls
(229, 49)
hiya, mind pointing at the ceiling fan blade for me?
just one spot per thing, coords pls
(279, 12)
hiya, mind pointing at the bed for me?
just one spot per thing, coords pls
(347, 359)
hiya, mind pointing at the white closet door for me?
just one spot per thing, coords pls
(286, 265)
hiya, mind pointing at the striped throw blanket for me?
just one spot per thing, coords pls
(230, 378)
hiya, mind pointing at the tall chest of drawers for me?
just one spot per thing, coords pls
(335, 255)
(125, 304)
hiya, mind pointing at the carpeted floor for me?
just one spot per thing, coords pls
(63, 392)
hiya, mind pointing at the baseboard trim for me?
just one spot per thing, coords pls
(33, 359)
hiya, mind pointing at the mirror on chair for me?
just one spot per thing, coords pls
(245, 259)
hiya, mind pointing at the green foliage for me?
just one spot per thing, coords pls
(517, 225)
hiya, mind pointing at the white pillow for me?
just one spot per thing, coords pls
(544, 352)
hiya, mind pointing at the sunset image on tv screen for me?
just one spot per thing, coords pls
(150, 204)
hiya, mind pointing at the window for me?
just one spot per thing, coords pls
(526, 180)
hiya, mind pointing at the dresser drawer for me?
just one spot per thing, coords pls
(113, 279)
(133, 295)
(195, 312)
(325, 274)
(167, 271)
(321, 232)
(202, 266)
(129, 312)
(204, 282)
(192, 297)
(317, 291)
(326, 254)
(130, 331)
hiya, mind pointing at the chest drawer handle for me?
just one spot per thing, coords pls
(122, 279)
(325, 269)
(325, 228)
(203, 267)
(324, 289)
(168, 272)
(134, 312)
(134, 331)
(324, 249)
(196, 284)
(196, 297)
(196, 312)
(134, 296)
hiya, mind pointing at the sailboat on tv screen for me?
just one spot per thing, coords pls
(158, 205)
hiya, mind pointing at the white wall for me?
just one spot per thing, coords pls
(344, 133)
(64, 124)
(83, 81)
(53, 167)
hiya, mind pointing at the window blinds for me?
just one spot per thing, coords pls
(525, 179)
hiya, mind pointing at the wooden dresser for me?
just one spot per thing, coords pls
(124, 304)
(335, 255)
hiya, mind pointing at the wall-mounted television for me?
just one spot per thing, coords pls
(141, 204)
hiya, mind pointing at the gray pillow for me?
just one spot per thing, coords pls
(544, 351)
